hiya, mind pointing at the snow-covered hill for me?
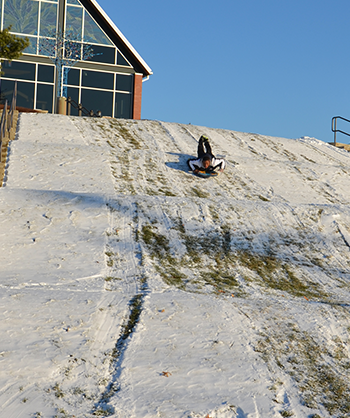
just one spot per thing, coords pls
(131, 288)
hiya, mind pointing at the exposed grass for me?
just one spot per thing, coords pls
(63, 414)
(287, 413)
(218, 264)
(125, 134)
(135, 311)
(166, 192)
(264, 199)
(171, 275)
(103, 412)
(308, 159)
(111, 278)
(198, 193)
(159, 250)
(109, 261)
(57, 390)
(272, 273)
(158, 244)
(313, 366)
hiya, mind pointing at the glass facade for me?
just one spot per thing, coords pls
(36, 81)
(98, 90)
(40, 80)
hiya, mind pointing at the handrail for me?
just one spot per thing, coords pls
(6, 122)
(335, 130)
(3, 126)
(81, 109)
(13, 106)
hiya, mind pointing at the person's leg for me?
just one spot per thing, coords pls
(200, 149)
(208, 148)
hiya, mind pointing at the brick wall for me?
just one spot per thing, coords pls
(137, 96)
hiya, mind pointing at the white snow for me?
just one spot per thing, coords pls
(131, 288)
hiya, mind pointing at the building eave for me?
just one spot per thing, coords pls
(117, 37)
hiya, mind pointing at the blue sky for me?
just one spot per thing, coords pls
(273, 67)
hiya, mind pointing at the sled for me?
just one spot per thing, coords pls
(206, 175)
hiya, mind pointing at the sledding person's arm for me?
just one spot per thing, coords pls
(195, 164)
(219, 163)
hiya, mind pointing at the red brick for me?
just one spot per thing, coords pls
(137, 96)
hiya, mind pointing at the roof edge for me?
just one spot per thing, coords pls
(146, 70)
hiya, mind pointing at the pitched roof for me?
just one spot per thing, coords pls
(116, 37)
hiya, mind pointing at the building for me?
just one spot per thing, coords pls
(108, 78)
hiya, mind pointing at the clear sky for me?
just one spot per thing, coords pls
(273, 67)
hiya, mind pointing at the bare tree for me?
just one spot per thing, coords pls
(64, 51)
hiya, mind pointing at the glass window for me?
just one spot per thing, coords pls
(47, 47)
(98, 100)
(72, 51)
(73, 77)
(98, 80)
(6, 90)
(122, 61)
(73, 2)
(46, 73)
(73, 93)
(124, 82)
(102, 54)
(93, 33)
(22, 15)
(19, 70)
(74, 20)
(123, 106)
(44, 97)
(31, 49)
(48, 19)
(25, 92)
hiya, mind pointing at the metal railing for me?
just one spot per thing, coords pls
(335, 130)
(81, 109)
(6, 122)
(12, 109)
(3, 127)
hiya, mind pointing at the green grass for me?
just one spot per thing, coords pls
(58, 392)
(125, 133)
(196, 192)
(286, 413)
(264, 199)
(273, 273)
(219, 264)
(313, 366)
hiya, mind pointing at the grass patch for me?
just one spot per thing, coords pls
(199, 193)
(125, 134)
(264, 199)
(308, 159)
(103, 412)
(135, 312)
(313, 366)
(166, 192)
(159, 250)
(110, 278)
(272, 273)
(171, 275)
(157, 244)
(225, 266)
(57, 390)
(286, 413)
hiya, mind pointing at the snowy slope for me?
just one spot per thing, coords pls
(131, 288)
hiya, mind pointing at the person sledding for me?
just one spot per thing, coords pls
(206, 160)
